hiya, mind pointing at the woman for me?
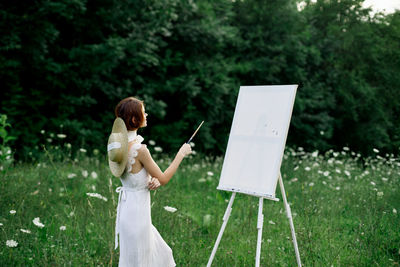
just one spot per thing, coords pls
(140, 242)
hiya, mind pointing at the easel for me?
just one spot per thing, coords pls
(260, 222)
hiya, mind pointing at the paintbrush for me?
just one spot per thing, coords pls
(194, 133)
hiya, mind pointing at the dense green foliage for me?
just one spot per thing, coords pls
(64, 65)
(6, 157)
(345, 211)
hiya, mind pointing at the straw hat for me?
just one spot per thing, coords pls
(117, 148)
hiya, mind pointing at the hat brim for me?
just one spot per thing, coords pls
(118, 168)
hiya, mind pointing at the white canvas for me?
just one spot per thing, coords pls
(257, 140)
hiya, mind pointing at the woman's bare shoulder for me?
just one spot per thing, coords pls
(143, 147)
(143, 150)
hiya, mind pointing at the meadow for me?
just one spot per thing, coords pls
(60, 211)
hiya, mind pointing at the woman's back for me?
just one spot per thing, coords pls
(135, 175)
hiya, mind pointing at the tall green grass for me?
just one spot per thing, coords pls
(345, 212)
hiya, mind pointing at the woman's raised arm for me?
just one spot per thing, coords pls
(152, 168)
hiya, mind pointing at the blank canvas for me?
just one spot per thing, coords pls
(257, 140)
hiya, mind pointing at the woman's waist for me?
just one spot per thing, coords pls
(132, 189)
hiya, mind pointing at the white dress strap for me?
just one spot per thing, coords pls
(132, 153)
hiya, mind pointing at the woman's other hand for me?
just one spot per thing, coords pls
(185, 150)
(154, 184)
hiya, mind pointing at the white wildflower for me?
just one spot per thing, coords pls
(315, 154)
(335, 154)
(202, 180)
(379, 194)
(294, 180)
(82, 150)
(295, 168)
(385, 179)
(12, 211)
(61, 136)
(158, 149)
(1, 224)
(269, 240)
(37, 222)
(96, 195)
(194, 152)
(85, 173)
(71, 175)
(42, 131)
(210, 173)
(191, 144)
(394, 211)
(63, 228)
(337, 188)
(271, 222)
(338, 171)
(373, 183)
(49, 140)
(375, 150)
(324, 182)
(207, 220)
(170, 209)
(94, 175)
(321, 132)
(346, 148)
(68, 145)
(25, 231)
(311, 184)
(347, 172)
(307, 169)
(326, 173)
(11, 243)
(152, 142)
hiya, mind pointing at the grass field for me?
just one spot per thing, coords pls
(345, 211)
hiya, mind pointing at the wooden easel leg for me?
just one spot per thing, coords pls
(221, 231)
(260, 222)
(289, 215)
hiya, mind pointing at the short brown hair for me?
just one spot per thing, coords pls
(129, 108)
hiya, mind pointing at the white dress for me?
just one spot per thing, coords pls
(140, 243)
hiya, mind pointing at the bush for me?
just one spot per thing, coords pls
(6, 155)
